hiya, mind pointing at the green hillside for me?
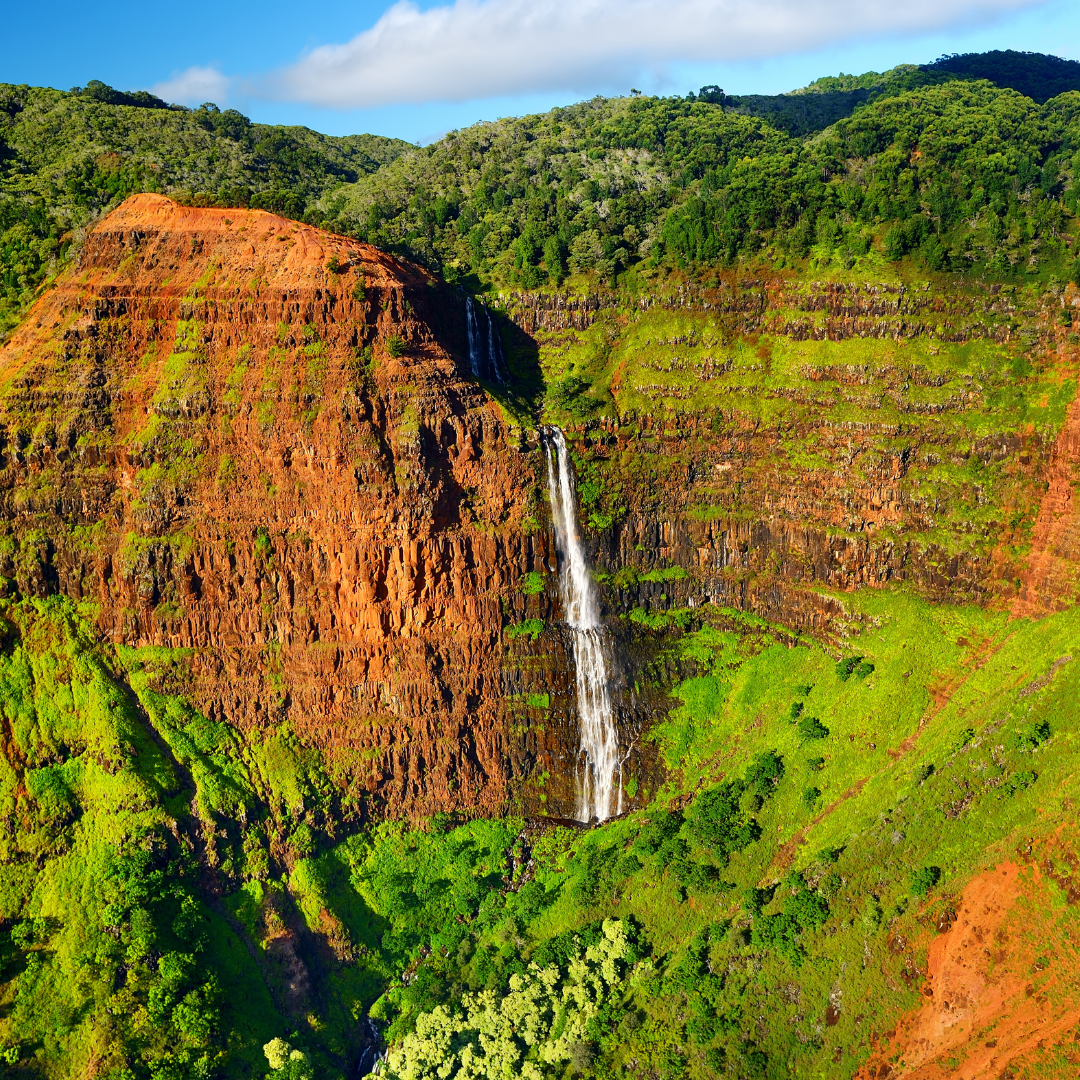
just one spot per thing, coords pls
(860, 294)
(66, 158)
(966, 176)
(135, 939)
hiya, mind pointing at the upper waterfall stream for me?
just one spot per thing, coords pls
(600, 780)
(485, 349)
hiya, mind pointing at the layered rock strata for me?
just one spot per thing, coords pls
(258, 444)
(239, 436)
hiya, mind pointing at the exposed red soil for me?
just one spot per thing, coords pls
(1002, 987)
(1051, 580)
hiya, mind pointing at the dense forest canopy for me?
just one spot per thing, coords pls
(966, 164)
(966, 175)
(1038, 76)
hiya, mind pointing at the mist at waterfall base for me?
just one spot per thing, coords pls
(485, 347)
(600, 792)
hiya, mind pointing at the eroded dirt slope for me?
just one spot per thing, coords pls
(1001, 988)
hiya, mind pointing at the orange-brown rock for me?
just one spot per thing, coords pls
(243, 437)
(247, 439)
(997, 998)
(1051, 579)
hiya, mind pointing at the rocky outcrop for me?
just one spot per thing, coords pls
(815, 311)
(239, 436)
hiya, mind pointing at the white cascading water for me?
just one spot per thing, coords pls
(485, 355)
(600, 793)
(474, 332)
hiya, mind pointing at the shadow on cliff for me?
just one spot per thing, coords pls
(522, 396)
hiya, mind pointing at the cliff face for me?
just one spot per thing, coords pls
(258, 444)
(238, 436)
(777, 436)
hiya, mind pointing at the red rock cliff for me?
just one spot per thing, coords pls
(241, 436)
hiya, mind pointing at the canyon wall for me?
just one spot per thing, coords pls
(237, 436)
(257, 444)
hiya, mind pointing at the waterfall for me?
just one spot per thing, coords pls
(600, 783)
(473, 330)
(485, 349)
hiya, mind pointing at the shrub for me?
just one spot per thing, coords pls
(845, 667)
(696, 876)
(1026, 738)
(287, 1063)
(810, 727)
(1021, 780)
(50, 791)
(532, 584)
(530, 628)
(963, 739)
(924, 879)
(227, 471)
(661, 828)
(815, 764)
(804, 911)
(303, 841)
(872, 913)
(796, 710)
(568, 393)
(853, 665)
(765, 773)
(264, 547)
(755, 900)
(395, 345)
(716, 1059)
(811, 795)
(718, 822)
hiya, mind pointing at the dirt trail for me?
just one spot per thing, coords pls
(1052, 579)
(994, 997)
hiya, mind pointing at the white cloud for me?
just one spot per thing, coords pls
(487, 48)
(194, 86)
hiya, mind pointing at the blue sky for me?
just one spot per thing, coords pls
(417, 70)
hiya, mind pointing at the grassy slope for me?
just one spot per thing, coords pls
(89, 780)
(945, 692)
